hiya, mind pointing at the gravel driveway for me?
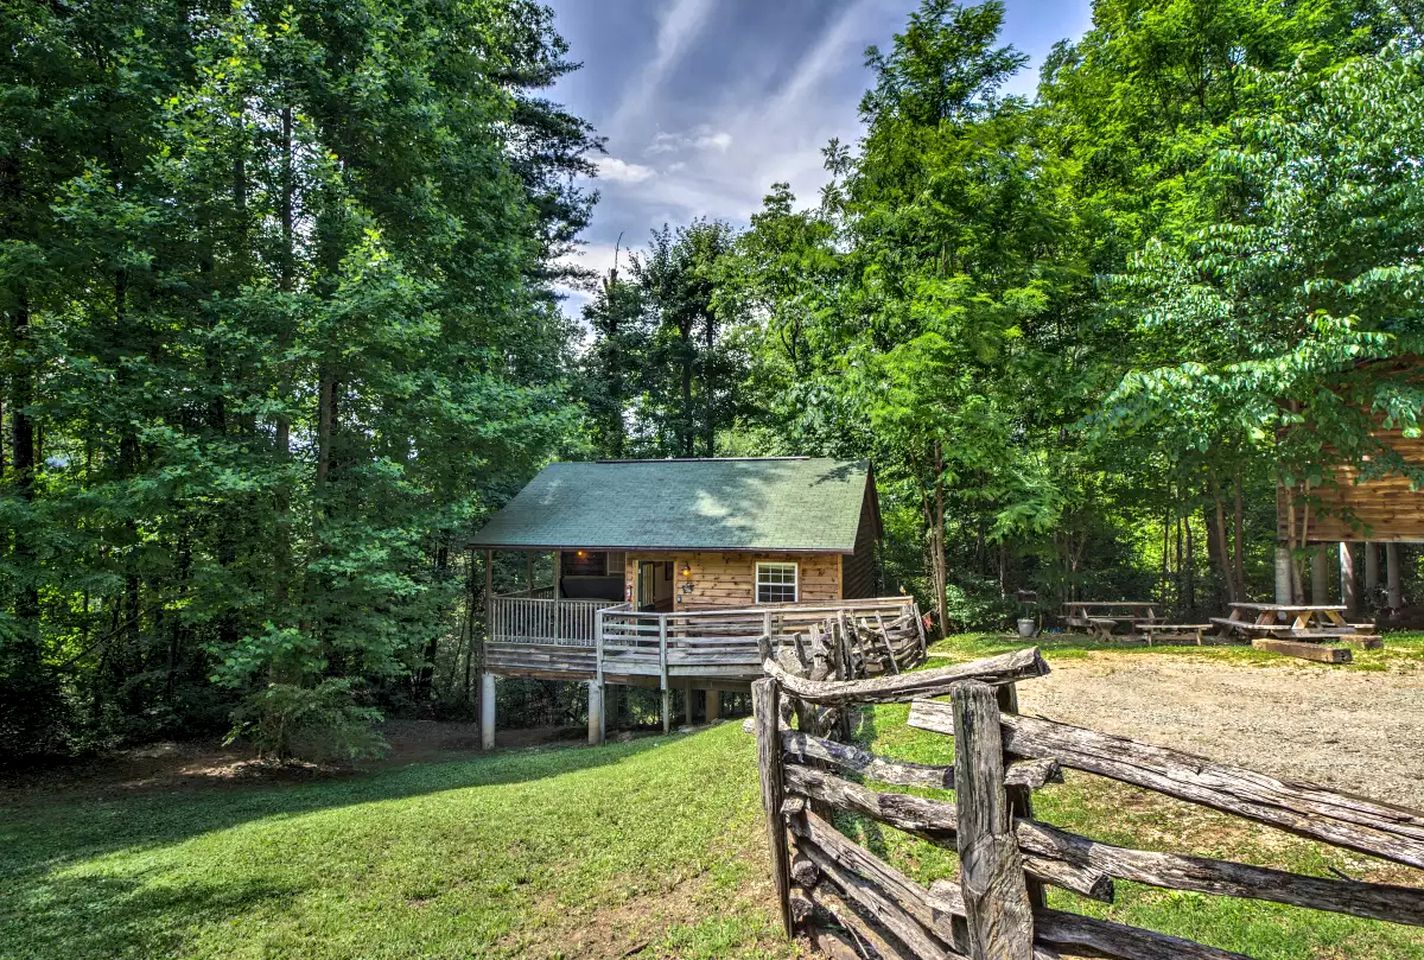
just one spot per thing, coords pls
(1357, 732)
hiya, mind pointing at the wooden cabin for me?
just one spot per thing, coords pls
(669, 571)
(1353, 517)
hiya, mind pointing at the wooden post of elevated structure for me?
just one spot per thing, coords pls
(1319, 575)
(595, 712)
(663, 670)
(486, 711)
(486, 678)
(1347, 577)
(1284, 576)
(597, 722)
(1393, 577)
(713, 705)
(1371, 574)
(558, 573)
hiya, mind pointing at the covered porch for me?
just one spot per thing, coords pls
(538, 634)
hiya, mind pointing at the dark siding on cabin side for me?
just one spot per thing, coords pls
(858, 569)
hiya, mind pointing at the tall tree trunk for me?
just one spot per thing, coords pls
(326, 415)
(1371, 575)
(22, 446)
(940, 573)
(709, 397)
(425, 676)
(1217, 543)
(282, 431)
(1238, 541)
(1191, 565)
(1181, 588)
(685, 432)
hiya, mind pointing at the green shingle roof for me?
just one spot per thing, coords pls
(801, 504)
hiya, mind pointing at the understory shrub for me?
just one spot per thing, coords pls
(324, 723)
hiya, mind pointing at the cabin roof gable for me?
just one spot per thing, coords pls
(790, 504)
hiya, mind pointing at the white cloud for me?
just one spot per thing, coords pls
(621, 171)
(699, 138)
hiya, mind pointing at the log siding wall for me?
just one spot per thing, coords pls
(858, 569)
(729, 579)
(1387, 509)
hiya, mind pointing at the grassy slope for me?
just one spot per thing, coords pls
(652, 848)
(562, 851)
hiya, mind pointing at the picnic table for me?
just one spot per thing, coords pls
(1102, 617)
(1297, 629)
(1270, 619)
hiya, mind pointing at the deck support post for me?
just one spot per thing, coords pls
(595, 712)
(1319, 576)
(663, 678)
(486, 711)
(688, 693)
(1392, 575)
(1347, 577)
(1284, 591)
(713, 705)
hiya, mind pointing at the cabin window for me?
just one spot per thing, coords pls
(776, 583)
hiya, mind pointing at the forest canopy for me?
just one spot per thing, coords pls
(280, 327)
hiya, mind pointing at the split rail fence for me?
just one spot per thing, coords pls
(996, 909)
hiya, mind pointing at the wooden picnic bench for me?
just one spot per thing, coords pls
(1298, 630)
(1195, 632)
(1102, 617)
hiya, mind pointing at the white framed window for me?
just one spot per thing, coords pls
(777, 583)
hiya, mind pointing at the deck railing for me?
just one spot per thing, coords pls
(608, 637)
(542, 618)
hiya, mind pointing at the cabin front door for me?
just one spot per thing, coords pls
(654, 588)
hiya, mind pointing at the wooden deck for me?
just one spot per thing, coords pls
(562, 639)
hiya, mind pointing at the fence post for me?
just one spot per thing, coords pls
(1020, 798)
(766, 709)
(991, 870)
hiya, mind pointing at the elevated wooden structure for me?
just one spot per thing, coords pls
(1352, 509)
(671, 572)
(1356, 511)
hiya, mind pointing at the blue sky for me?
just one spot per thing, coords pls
(706, 103)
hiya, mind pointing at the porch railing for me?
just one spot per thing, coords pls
(691, 643)
(715, 643)
(544, 619)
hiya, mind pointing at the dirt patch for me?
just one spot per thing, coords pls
(177, 765)
(1356, 732)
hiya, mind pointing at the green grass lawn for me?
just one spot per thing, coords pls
(650, 848)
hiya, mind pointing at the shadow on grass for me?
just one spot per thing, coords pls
(46, 832)
(113, 916)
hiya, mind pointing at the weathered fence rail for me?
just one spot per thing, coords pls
(994, 909)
